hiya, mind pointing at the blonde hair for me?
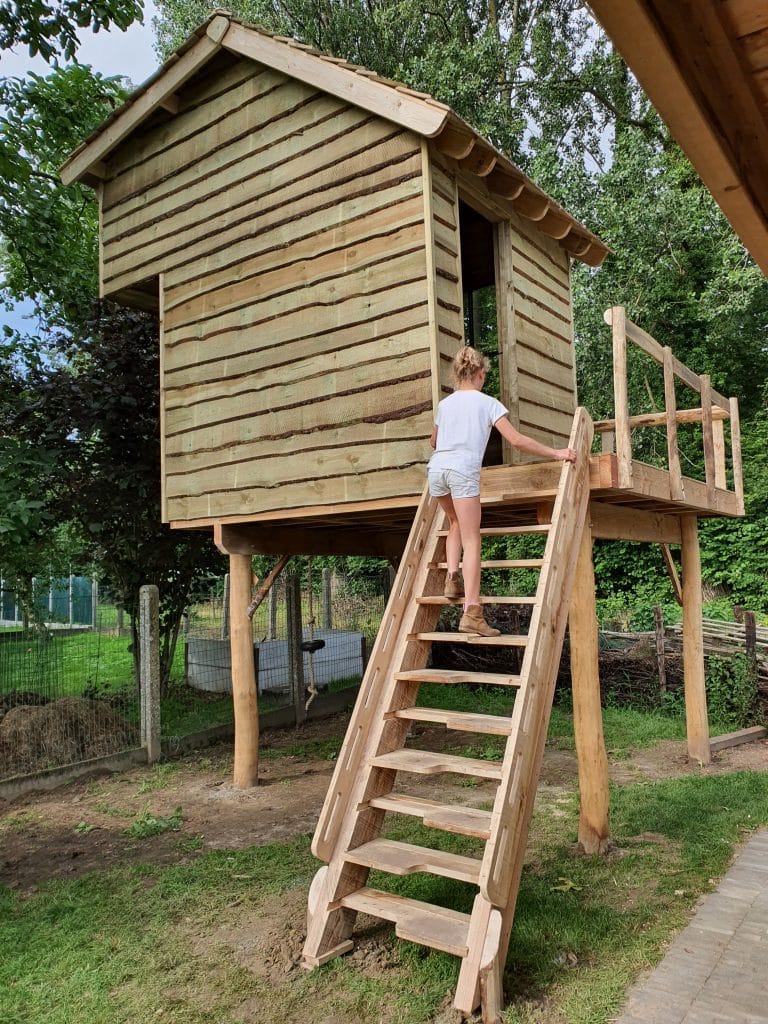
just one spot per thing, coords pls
(467, 363)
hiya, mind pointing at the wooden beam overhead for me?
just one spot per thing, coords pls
(402, 108)
(258, 539)
(688, 60)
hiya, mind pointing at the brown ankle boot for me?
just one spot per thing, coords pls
(473, 621)
(454, 586)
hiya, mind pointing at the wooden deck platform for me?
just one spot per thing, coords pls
(643, 511)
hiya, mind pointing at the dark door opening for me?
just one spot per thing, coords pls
(478, 275)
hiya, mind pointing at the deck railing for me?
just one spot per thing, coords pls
(712, 414)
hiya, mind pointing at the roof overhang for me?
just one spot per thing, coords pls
(393, 101)
(704, 66)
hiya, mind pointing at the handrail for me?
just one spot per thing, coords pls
(714, 410)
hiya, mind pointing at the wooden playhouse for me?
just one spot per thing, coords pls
(313, 238)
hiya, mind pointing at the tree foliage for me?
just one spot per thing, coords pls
(50, 29)
(50, 233)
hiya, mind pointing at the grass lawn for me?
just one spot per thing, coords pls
(157, 942)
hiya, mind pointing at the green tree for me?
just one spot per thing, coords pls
(50, 29)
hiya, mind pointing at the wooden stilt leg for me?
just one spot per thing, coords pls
(327, 933)
(587, 711)
(693, 644)
(246, 711)
(482, 969)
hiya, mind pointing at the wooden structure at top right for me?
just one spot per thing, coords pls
(704, 66)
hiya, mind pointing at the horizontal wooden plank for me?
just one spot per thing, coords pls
(284, 246)
(408, 859)
(455, 677)
(462, 721)
(266, 395)
(540, 248)
(192, 135)
(374, 277)
(407, 481)
(735, 739)
(532, 312)
(211, 240)
(346, 460)
(332, 268)
(429, 925)
(504, 640)
(325, 366)
(535, 338)
(262, 183)
(541, 421)
(484, 599)
(463, 821)
(391, 315)
(429, 762)
(550, 394)
(223, 156)
(240, 421)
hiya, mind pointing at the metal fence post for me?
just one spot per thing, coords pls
(327, 614)
(149, 670)
(225, 609)
(94, 601)
(272, 612)
(71, 599)
(295, 653)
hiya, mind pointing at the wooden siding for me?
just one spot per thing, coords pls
(546, 382)
(447, 259)
(288, 229)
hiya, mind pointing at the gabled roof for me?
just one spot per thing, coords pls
(704, 66)
(391, 100)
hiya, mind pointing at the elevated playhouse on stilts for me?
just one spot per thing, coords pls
(315, 241)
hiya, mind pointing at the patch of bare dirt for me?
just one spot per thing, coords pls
(82, 826)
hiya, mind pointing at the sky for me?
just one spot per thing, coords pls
(130, 53)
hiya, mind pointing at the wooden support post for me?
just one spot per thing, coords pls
(325, 600)
(693, 644)
(587, 711)
(670, 402)
(149, 670)
(246, 770)
(738, 479)
(750, 635)
(295, 653)
(658, 621)
(618, 323)
(708, 438)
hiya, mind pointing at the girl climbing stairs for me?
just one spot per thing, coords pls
(374, 754)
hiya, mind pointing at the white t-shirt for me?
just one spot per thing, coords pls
(464, 421)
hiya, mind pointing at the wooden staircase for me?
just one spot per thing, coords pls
(348, 835)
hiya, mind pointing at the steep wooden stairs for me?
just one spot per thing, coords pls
(348, 835)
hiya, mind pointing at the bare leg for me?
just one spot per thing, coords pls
(453, 540)
(468, 514)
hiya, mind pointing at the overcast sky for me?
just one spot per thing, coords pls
(130, 54)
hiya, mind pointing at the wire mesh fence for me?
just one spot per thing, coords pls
(68, 687)
(67, 690)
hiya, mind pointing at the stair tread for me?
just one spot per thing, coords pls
(429, 762)
(466, 821)
(503, 563)
(452, 676)
(464, 721)
(503, 640)
(425, 923)
(439, 599)
(408, 859)
(507, 531)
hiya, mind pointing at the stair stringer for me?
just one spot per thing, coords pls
(504, 853)
(347, 820)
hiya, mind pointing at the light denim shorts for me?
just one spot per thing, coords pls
(451, 481)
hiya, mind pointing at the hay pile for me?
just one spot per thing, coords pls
(63, 732)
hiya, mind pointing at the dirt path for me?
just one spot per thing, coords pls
(81, 827)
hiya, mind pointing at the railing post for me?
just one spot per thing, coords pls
(677, 491)
(616, 316)
(708, 437)
(738, 479)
